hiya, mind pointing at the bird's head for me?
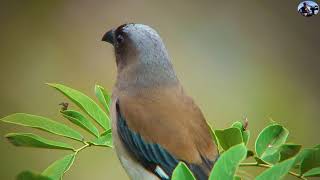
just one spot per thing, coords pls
(140, 52)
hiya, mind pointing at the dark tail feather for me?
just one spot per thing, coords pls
(202, 171)
(198, 172)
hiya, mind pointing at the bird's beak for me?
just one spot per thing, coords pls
(109, 37)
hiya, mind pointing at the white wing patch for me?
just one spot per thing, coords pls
(161, 173)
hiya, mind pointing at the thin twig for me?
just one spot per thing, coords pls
(82, 147)
(269, 166)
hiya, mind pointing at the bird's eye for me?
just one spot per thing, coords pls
(119, 39)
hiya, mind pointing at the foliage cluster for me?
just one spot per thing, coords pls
(271, 149)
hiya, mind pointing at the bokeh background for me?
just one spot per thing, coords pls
(258, 59)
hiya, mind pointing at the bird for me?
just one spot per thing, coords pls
(155, 124)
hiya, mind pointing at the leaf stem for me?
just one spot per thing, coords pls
(269, 166)
(82, 147)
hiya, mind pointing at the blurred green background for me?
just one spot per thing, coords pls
(258, 59)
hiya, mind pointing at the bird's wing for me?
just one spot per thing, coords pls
(161, 130)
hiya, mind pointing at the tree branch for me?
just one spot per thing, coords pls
(269, 166)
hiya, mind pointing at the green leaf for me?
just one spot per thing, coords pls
(285, 151)
(245, 133)
(278, 171)
(310, 160)
(317, 146)
(43, 124)
(301, 155)
(269, 140)
(182, 172)
(85, 103)
(228, 163)
(288, 151)
(315, 172)
(32, 140)
(259, 161)
(56, 170)
(228, 137)
(246, 136)
(80, 120)
(104, 140)
(238, 125)
(214, 137)
(28, 175)
(103, 97)
(236, 178)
